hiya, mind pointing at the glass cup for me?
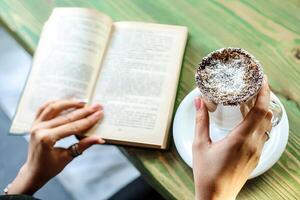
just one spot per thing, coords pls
(229, 80)
(227, 117)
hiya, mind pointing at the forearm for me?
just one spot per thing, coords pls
(25, 182)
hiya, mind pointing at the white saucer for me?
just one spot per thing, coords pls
(183, 133)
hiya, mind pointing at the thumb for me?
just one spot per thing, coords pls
(201, 122)
(89, 141)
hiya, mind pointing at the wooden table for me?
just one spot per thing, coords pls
(268, 29)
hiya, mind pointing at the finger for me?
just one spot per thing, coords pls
(72, 116)
(211, 106)
(250, 103)
(53, 109)
(254, 117)
(66, 156)
(246, 107)
(80, 137)
(266, 126)
(260, 135)
(201, 123)
(76, 127)
(263, 97)
(41, 109)
(88, 142)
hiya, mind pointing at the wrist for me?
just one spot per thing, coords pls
(210, 191)
(26, 182)
(205, 192)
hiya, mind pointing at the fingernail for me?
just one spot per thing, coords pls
(265, 78)
(96, 106)
(198, 103)
(82, 101)
(98, 114)
(101, 141)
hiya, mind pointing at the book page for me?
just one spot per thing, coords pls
(138, 82)
(66, 63)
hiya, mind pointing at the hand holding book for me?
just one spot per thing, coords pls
(44, 160)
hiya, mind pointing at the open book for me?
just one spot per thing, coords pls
(131, 68)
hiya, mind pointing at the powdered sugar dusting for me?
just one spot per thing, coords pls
(227, 78)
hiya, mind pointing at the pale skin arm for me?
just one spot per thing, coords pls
(44, 161)
(222, 168)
